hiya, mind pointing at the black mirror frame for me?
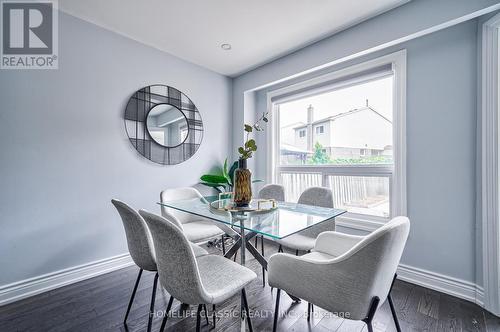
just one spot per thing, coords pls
(136, 111)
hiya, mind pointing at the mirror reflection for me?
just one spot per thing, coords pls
(167, 125)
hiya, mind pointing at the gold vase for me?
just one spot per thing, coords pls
(242, 184)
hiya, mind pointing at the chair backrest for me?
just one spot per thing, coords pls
(374, 261)
(273, 191)
(179, 217)
(177, 267)
(317, 196)
(140, 244)
(178, 194)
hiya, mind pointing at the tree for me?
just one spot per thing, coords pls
(319, 156)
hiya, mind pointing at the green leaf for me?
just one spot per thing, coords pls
(250, 143)
(248, 128)
(253, 148)
(224, 168)
(225, 173)
(241, 150)
(211, 178)
(220, 188)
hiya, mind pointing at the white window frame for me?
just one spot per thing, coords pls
(395, 173)
(302, 131)
(320, 132)
(488, 203)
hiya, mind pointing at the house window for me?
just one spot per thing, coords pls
(364, 107)
(302, 133)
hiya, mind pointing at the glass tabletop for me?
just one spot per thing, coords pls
(287, 219)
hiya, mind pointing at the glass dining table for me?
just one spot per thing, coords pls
(283, 220)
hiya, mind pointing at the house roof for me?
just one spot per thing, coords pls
(343, 114)
(293, 125)
(292, 150)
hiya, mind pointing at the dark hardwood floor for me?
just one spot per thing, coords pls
(99, 304)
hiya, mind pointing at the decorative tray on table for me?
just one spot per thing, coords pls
(255, 206)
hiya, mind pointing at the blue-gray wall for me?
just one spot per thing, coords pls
(65, 153)
(441, 135)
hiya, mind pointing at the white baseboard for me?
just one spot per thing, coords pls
(33, 286)
(25, 288)
(456, 287)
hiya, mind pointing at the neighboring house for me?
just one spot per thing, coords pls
(287, 135)
(373, 134)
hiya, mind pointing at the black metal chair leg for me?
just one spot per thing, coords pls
(235, 254)
(308, 311)
(276, 310)
(132, 296)
(263, 269)
(371, 313)
(223, 244)
(164, 322)
(391, 304)
(280, 249)
(245, 302)
(198, 317)
(213, 314)
(152, 306)
(394, 316)
(256, 238)
(297, 252)
(206, 313)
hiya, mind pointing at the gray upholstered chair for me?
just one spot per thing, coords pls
(269, 191)
(208, 279)
(140, 246)
(197, 229)
(273, 191)
(344, 273)
(304, 240)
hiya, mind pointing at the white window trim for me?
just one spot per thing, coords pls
(488, 127)
(398, 184)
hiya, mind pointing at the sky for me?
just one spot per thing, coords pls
(378, 93)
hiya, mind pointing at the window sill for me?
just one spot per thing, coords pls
(361, 223)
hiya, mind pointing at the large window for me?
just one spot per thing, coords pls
(339, 133)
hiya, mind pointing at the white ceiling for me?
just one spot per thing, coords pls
(258, 30)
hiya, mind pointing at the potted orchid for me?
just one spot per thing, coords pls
(242, 175)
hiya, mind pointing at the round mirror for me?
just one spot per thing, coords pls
(167, 125)
(153, 130)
